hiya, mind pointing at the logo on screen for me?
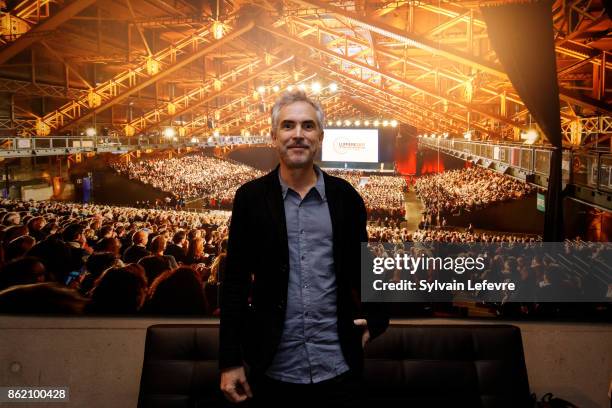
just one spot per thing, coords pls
(343, 146)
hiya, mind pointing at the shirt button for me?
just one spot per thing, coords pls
(302, 231)
(303, 257)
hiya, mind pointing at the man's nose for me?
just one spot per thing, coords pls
(298, 131)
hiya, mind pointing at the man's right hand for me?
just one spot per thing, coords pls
(235, 385)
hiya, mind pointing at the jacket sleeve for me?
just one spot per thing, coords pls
(375, 313)
(235, 286)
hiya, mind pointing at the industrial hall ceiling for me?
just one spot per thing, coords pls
(134, 67)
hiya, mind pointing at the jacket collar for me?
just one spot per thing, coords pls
(319, 184)
(274, 200)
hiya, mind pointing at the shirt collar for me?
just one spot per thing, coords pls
(319, 185)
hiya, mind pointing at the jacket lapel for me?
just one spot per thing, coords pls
(274, 201)
(334, 203)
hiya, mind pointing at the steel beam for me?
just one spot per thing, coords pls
(164, 73)
(392, 77)
(379, 91)
(437, 49)
(23, 42)
(214, 95)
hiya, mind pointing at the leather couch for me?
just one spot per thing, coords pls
(409, 366)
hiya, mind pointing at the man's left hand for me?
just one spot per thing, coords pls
(365, 337)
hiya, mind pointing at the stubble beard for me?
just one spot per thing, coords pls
(304, 161)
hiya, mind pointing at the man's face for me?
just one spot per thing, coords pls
(297, 136)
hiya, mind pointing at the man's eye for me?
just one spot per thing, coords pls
(287, 125)
(308, 126)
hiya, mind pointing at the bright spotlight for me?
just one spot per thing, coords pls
(338, 123)
(394, 123)
(218, 30)
(357, 122)
(216, 133)
(333, 87)
(347, 123)
(261, 89)
(530, 137)
(367, 123)
(290, 88)
(276, 88)
(302, 87)
(169, 132)
(330, 123)
(315, 87)
(385, 123)
(90, 132)
(194, 140)
(376, 123)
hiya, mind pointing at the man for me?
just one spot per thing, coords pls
(176, 248)
(290, 296)
(74, 238)
(138, 249)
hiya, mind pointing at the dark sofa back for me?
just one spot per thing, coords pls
(409, 366)
(447, 366)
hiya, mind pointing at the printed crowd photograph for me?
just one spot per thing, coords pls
(308, 203)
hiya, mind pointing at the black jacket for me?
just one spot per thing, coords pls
(176, 251)
(254, 287)
(135, 253)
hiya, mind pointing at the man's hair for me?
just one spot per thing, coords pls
(288, 98)
(140, 237)
(72, 232)
(179, 236)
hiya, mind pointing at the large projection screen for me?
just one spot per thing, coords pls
(350, 145)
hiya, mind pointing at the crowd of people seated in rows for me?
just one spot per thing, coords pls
(71, 258)
(383, 195)
(191, 176)
(467, 189)
(215, 181)
(541, 273)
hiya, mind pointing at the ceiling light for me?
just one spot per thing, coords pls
(218, 30)
(169, 132)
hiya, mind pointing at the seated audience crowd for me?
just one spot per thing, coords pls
(71, 258)
(467, 189)
(539, 274)
(191, 177)
(383, 195)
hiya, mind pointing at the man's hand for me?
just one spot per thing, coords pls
(234, 384)
(365, 337)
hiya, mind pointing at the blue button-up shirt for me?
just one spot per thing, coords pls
(309, 349)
